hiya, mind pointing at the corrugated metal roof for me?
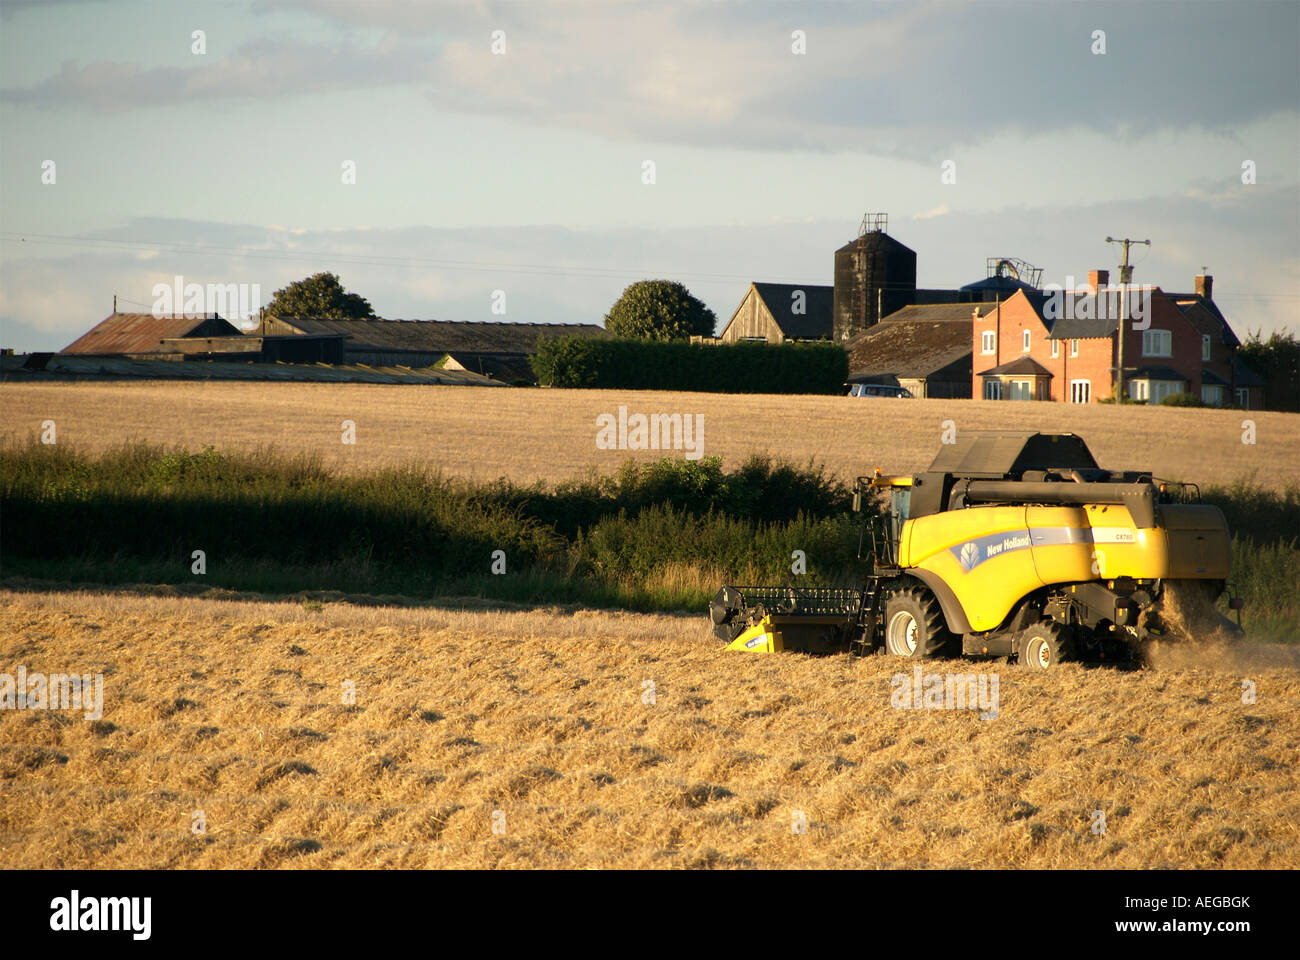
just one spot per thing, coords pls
(813, 324)
(930, 312)
(441, 336)
(506, 367)
(914, 342)
(121, 333)
(218, 370)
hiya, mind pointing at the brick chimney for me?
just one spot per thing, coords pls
(1098, 279)
(1205, 286)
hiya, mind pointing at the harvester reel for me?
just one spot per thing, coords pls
(1045, 644)
(914, 625)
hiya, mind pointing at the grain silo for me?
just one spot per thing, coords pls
(874, 276)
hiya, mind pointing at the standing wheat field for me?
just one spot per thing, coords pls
(576, 738)
(528, 434)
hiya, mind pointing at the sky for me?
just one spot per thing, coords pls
(506, 147)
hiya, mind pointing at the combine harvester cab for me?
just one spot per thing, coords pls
(1011, 544)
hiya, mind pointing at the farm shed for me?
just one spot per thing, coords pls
(508, 368)
(308, 348)
(778, 312)
(91, 367)
(495, 349)
(925, 349)
(143, 334)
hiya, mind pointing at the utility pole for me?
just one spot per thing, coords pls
(1125, 277)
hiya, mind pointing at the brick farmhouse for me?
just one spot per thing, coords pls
(1065, 346)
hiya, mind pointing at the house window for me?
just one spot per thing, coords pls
(1080, 391)
(1154, 391)
(1025, 344)
(988, 342)
(1212, 395)
(1074, 348)
(992, 389)
(1056, 349)
(1243, 398)
(1157, 343)
(1205, 346)
(1021, 390)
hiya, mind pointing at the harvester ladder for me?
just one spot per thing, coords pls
(867, 613)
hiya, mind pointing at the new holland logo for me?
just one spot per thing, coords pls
(974, 552)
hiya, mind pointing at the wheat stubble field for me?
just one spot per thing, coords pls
(526, 434)
(234, 708)
(233, 705)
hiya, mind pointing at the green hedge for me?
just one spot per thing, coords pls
(724, 368)
(1181, 400)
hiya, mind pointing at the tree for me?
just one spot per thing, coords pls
(1277, 361)
(320, 295)
(659, 310)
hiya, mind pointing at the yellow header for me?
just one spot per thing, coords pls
(881, 481)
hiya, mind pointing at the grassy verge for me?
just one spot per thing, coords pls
(661, 536)
(1265, 555)
(657, 536)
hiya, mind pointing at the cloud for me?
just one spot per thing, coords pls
(10, 8)
(264, 69)
(939, 211)
(887, 79)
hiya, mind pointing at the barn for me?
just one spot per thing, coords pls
(781, 312)
(924, 349)
(498, 350)
(146, 336)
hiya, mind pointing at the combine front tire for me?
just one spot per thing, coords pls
(1044, 645)
(914, 625)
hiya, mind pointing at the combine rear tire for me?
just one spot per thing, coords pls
(914, 625)
(1044, 645)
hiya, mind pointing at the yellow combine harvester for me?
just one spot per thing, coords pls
(1012, 544)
